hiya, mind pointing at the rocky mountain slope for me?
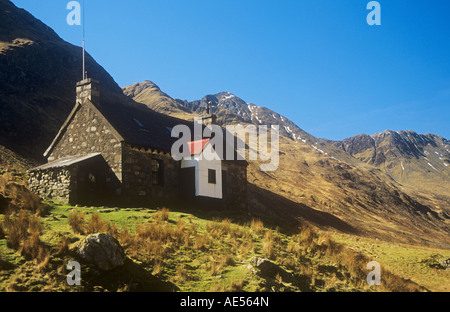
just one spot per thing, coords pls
(331, 183)
(38, 73)
(229, 108)
(318, 180)
(405, 156)
(420, 161)
(151, 95)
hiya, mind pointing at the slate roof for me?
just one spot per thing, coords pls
(134, 123)
(66, 162)
(140, 125)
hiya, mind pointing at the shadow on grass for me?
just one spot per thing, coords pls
(290, 213)
(5, 265)
(130, 277)
(274, 210)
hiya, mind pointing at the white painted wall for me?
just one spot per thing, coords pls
(208, 159)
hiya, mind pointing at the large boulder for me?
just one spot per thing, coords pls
(101, 250)
(268, 269)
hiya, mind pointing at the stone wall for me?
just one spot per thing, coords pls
(90, 133)
(137, 175)
(90, 182)
(64, 184)
(235, 196)
(137, 179)
(52, 183)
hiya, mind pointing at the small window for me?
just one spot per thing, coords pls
(212, 176)
(138, 123)
(157, 172)
(141, 126)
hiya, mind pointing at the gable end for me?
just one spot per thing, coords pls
(69, 119)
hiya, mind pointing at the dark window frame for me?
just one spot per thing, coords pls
(157, 172)
(212, 176)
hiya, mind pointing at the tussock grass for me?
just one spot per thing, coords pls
(20, 196)
(22, 230)
(21, 224)
(63, 246)
(221, 245)
(158, 268)
(158, 242)
(77, 222)
(4, 180)
(181, 273)
(201, 242)
(162, 215)
(268, 249)
(18, 226)
(79, 225)
(257, 227)
(407, 261)
(236, 285)
(208, 255)
(97, 225)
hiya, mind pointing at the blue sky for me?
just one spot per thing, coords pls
(317, 62)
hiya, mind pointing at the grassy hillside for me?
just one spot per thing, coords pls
(10, 160)
(420, 264)
(331, 185)
(358, 197)
(193, 251)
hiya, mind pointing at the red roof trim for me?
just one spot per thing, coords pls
(196, 147)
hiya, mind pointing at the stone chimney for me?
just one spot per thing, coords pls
(210, 119)
(88, 89)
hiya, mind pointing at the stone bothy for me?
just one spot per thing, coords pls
(111, 152)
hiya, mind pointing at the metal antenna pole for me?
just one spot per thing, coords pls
(84, 50)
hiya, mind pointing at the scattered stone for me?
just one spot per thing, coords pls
(106, 210)
(101, 250)
(268, 269)
(52, 218)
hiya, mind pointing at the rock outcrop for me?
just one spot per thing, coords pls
(101, 250)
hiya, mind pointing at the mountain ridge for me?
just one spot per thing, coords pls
(38, 74)
(417, 160)
(316, 181)
(330, 176)
(231, 109)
